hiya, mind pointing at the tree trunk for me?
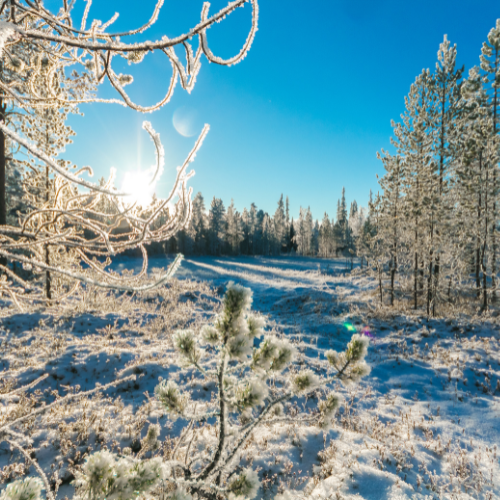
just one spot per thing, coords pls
(48, 279)
(380, 284)
(495, 183)
(3, 200)
(430, 298)
(437, 265)
(393, 275)
(415, 282)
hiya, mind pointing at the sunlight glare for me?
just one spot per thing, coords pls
(140, 187)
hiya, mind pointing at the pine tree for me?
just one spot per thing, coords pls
(375, 239)
(252, 229)
(234, 233)
(304, 232)
(245, 228)
(199, 225)
(353, 210)
(390, 223)
(444, 119)
(292, 239)
(325, 237)
(268, 236)
(357, 222)
(46, 128)
(490, 66)
(287, 214)
(341, 224)
(477, 188)
(245, 397)
(216, 226)
(414, 142)
(315, 239)
(280, 226)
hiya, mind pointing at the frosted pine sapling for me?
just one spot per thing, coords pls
(245, 399)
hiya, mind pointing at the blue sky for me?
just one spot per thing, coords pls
(304, 114)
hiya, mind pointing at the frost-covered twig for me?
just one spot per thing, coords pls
(35, 464)
(43, 409)
(24, 388)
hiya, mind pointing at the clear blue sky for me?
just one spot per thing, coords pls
(304, 114)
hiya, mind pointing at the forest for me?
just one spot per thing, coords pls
(163, 346)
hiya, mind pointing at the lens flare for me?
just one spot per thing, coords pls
(187, 121)
(366, 331)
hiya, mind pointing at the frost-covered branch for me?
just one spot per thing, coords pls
(50, 63)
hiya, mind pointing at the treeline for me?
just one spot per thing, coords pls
(221, 231)
(435, 240)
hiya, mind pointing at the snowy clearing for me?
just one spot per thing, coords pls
(423, 424)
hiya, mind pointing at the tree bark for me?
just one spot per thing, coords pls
(3, 161)
(48, 278)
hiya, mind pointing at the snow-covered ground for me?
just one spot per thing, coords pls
(423, 424)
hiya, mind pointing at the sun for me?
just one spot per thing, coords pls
(140, 187)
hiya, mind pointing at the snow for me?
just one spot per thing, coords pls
(423, 422)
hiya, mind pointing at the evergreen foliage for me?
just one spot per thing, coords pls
(255, 232)
(435, 224)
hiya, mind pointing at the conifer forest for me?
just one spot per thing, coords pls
(159, 344)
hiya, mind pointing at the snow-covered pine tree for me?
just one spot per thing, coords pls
(341, 225)
(413, 141)
(325, 237)
(216, 226)
(243, 399)
(444, 120)
(357, 223)
(490, 67)
(292, 239)
(259, 232)
(315, 239)
(268, 240)
(476, 183)
(252, 229)
(287, 214)
(234, 232)
(350, 240)
(46, 193)
(309, 232)
(427, 142)
(199, 224)
(304, 230)
(353, 209)
(279, 226)
(390, 220)
(245, 228)
(377, 256)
